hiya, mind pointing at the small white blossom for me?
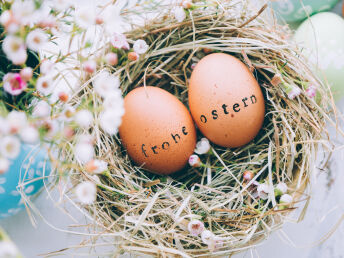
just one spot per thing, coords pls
(14, 49)
(208, 237)
(115, 102)
(16, 121)
(179, 13)
(86, 192)
(282, 187)
(96, 166)
(195, 227)
(4, 165)
(110, 120)
(84, 118)
(8, 21)
(29, 135)
(68, 113)
(46, 66)
(85, 16)
(140, 46)
(286, 198)
(194, 161)
(105, 84)
(84, 152)
(119, 41)
(89, 66)
(4, 126)
(10, 147)
(14, 84)
(44, 85)
(41, 109)
(36, 39)
(263, 191)
(111, 59)
(23, 11)
(8, 250)
(203, 146)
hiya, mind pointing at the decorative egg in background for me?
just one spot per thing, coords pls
(29, 167)
(225, 100)
(157, 130)
(321, 39)
(297, 10)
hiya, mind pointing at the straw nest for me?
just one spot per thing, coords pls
(149, 214)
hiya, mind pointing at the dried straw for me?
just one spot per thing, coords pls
(149, 214)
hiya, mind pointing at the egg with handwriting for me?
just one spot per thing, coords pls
(225, 100)
(157, 130)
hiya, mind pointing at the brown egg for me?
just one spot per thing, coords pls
(225, 100)
(157, 130)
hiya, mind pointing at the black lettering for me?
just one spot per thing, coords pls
(143, 150)
(153, 148)
(243, 100)
(163, 145)
(215, 115)
(175, 136)
(184, 130)
(203, 119)
(224, 106)
(255, 99)
(235, 107)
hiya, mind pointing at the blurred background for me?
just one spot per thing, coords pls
(319, 235)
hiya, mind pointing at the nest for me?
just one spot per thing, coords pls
(148, 213)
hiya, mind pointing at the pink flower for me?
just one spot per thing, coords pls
(193, 65)
(119, 41)
(90, 66)
(26, 73)
(311, 91)
(14, 84)
(195, 227)
(194, 161)
(111, 59)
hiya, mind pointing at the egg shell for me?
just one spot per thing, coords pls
(296, 10)
(321, 39)
(32, 166)
(157, 130)
(225, 100)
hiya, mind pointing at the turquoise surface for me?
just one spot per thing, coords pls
(26, 174)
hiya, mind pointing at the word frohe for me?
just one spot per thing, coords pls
(175, 139)
(237, 107)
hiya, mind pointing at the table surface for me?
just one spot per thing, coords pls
(301, 240)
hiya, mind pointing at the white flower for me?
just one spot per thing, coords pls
(51, 127)
(86, 192)
(41, 109)
(115, 102)
(203, 146)
(111, 59)
(4, 126)
(46, 66)
(84, 118)
(23, 11)
(14, 84)
(26, 73)
(89, 66)
(140, 46)
(263, 191)
(195, 227)
(286, 198)
(8, 249)
(282, 187)
(84, 152)
(194, 161)
(96, 166)
(68, 113)
(179, 13)
(119, 41)
(10, 147)
(44, 85)
(208, 237)
(16, 121)
(105, 84)
(85, 16)
(109, 121)
(29, 135)
(293, 92)
(36, 39)
(4, 166)
(8, 21)
(14, 49)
